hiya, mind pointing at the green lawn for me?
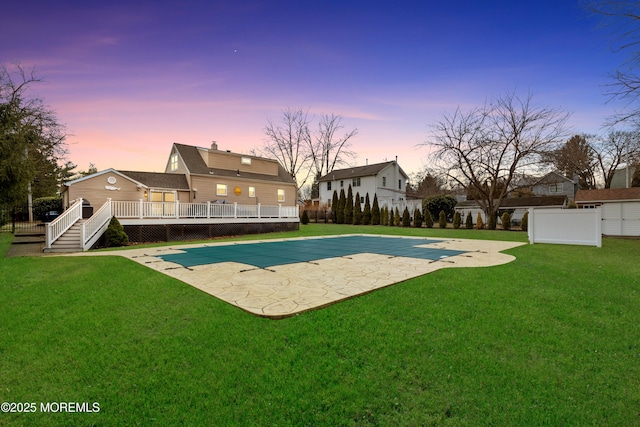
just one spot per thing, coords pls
(551, 339)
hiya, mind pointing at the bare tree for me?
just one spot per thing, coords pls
(486, 147)
(616, 148)
(329, 149)
(304, 153)
(623, 18)
(288, 142)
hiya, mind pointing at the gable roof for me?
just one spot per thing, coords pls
(608, 194)
(195, 164)
(358, 171)
(520, 202)
(172, 181)
(191, 158)
(553, 178)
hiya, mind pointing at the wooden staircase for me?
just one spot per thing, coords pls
(70, 241)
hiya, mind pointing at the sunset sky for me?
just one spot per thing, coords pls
(130, 78)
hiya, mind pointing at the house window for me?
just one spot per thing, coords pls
(280, 195)
(329, 186)
(399, 184)
(252, 191)
(361, 199)
(221, 189)
(341, 184)
(355, 182)
(555, 188)
(174, 162)
(384, 181)
(246, 160)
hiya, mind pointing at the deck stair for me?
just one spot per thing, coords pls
(70, 241)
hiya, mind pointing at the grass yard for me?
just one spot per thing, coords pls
(551, 339)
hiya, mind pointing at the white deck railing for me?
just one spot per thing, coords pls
(58, 226)
(145, 210)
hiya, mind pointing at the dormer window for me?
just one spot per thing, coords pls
(246, 160)
(174, 162)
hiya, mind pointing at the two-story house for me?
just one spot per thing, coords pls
(386, 180)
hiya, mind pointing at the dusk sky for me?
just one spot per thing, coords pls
(130, 78)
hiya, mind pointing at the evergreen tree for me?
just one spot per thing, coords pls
(428, 219)
(442, 220)
(348, 207)
(375, 211)
(469, 222)
(417, 218)
(524, 224)
(366, 213)
(357, 212)
(457, 220)
(506, 221)
(342, 201)
(384, 216)
(334, 207)
(397, 219)
(305, 217)
(406, 218)
(479, 222)
(115, 234)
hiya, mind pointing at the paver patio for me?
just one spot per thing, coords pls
(280, 281)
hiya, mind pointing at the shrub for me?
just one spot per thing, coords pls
(383, 216)
(342, 201)
(428, 219)
(305, 217)
(457, 220)
(479, 222)
(469, 222)
(442, 219)
(397, 219)
(366, 213)
(375, 211)
(436, 204)
(406, 218)
(524, 224)
(335, 203)
(42, 205)
(417, 218)
(572, 205)
(506, 221)
(115, 235)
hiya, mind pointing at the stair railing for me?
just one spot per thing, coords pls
(58, 226)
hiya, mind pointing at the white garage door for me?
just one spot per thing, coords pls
(621, 219)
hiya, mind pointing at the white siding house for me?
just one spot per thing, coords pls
(386, 180)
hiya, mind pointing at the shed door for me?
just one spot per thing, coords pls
(631, 219)
(612, 219)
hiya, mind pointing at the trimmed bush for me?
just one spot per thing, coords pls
(506, 221)
(442, 219)
(397, 219)
(115, 235)
(524, 224)
(42, 205)
(417, 218)
(457, 220)
(305, 217)
(436, 204)
(469, 222)
(428, 219)
(335, 202)
(375, 211)
(348, 207)
(342, 201)
(406, 218)
(479, 222)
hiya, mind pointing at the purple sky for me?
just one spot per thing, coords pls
(128, 80)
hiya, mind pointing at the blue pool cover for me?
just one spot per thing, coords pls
(268, 254)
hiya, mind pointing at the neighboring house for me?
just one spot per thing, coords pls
(620, 209)
(200, 188)
(517, 206)
(622, 177)
(386, 180)
(555, 184)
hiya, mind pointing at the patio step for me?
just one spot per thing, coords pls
(69, 241)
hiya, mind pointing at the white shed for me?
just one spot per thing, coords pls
(620, 209)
